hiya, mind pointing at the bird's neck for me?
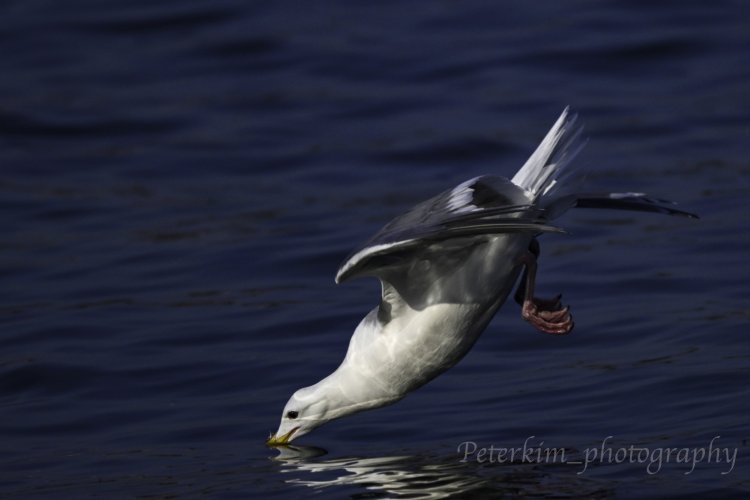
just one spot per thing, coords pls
(347, 391)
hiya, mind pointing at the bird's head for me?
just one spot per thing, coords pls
(305, 410)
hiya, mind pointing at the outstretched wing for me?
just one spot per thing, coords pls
(633, 202)
(638, 202)
(478, 207)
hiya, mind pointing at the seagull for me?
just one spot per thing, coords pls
(445, 268)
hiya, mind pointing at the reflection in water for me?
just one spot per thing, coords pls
(431, 477)
(397, 475)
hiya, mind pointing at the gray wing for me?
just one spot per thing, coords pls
(482, 206)
(637, 202)
(634, 202)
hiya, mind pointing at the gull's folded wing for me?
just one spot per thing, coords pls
(481, 206)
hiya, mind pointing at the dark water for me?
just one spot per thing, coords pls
(180, 180)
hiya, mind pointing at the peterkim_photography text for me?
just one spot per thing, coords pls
(651, 458)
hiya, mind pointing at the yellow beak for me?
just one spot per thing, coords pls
(274, 440)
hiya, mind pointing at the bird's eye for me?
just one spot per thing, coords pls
(292, 414)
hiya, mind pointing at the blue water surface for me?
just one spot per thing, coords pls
(179, 182)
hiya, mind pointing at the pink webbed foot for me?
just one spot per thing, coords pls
(548, 315)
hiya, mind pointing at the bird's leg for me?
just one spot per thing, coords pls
(546, 315)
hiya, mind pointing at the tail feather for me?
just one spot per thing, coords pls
(545, 175)
(544, 167)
